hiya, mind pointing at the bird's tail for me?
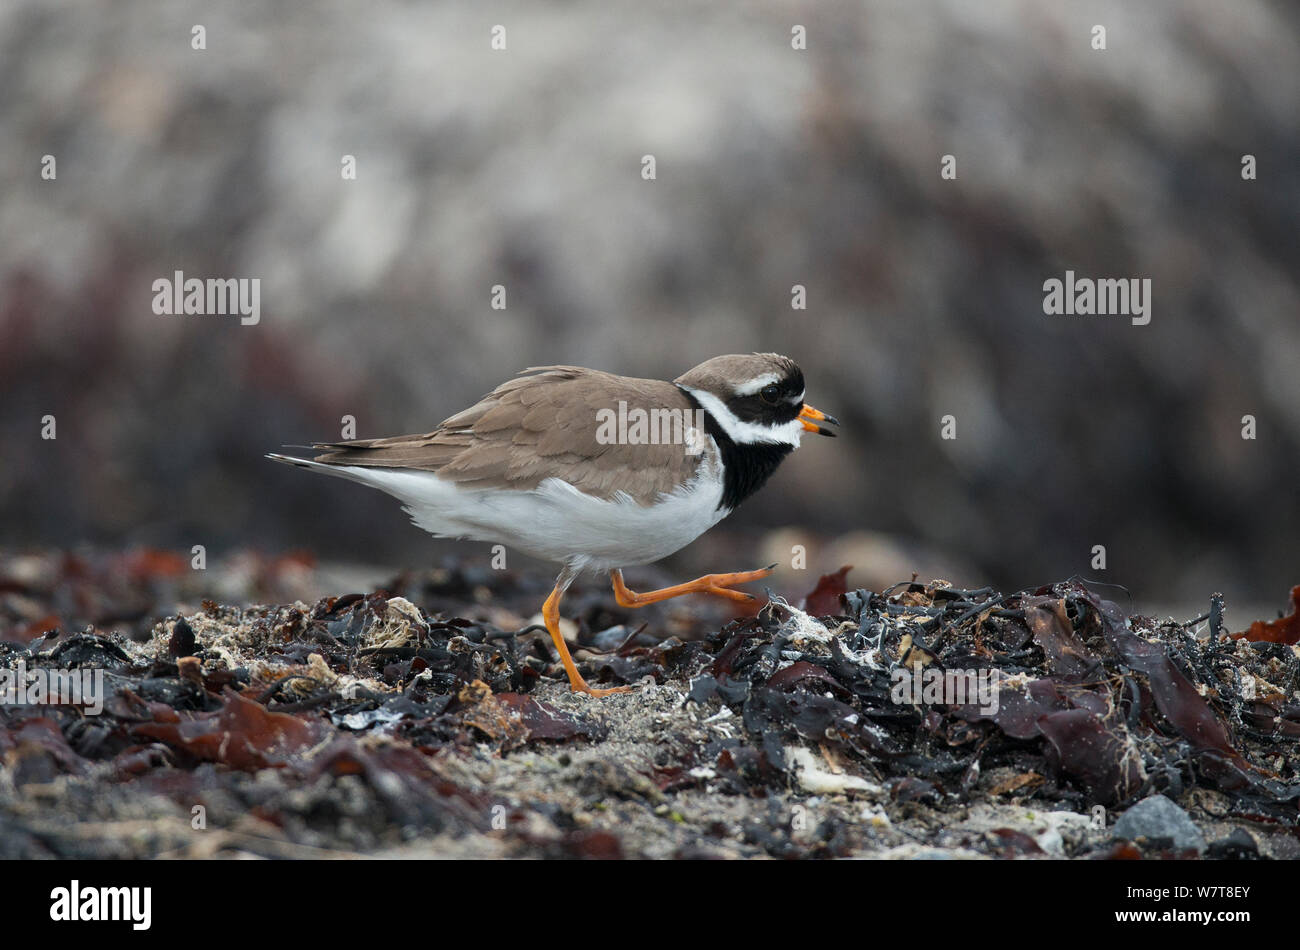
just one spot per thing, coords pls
(350, 472)
(431, 503)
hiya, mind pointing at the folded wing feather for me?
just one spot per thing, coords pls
(543, 424)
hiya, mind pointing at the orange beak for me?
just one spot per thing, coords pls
(810, 417)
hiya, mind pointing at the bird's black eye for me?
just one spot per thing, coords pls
(769, 394)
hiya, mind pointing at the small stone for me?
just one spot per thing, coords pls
(611, 638)
(1158, 817)
(1237, 846)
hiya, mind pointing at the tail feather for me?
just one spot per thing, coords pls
(431, 503)
(344, 446)
(338, 471)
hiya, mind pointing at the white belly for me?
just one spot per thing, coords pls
(555, 521)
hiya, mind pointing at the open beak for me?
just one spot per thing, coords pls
(810, 417)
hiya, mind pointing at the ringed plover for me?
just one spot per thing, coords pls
(595, 471)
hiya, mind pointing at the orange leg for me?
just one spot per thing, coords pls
(551, 614)
(717, 584)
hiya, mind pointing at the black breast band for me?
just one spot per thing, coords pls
(745, 466)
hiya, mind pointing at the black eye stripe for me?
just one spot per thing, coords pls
(753, 408)
(786, 404)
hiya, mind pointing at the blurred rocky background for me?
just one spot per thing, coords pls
(775, 167)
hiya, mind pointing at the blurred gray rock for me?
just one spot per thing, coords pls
(1158, 817)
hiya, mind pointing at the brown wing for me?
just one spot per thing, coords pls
(544, 423)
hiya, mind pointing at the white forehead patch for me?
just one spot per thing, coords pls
(756, 384)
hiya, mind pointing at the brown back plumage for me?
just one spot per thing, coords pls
(539, 425)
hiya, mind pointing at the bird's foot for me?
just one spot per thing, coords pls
(581, 687)
(719, 585)
(551, 614)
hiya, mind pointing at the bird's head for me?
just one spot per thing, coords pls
(755, 399)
